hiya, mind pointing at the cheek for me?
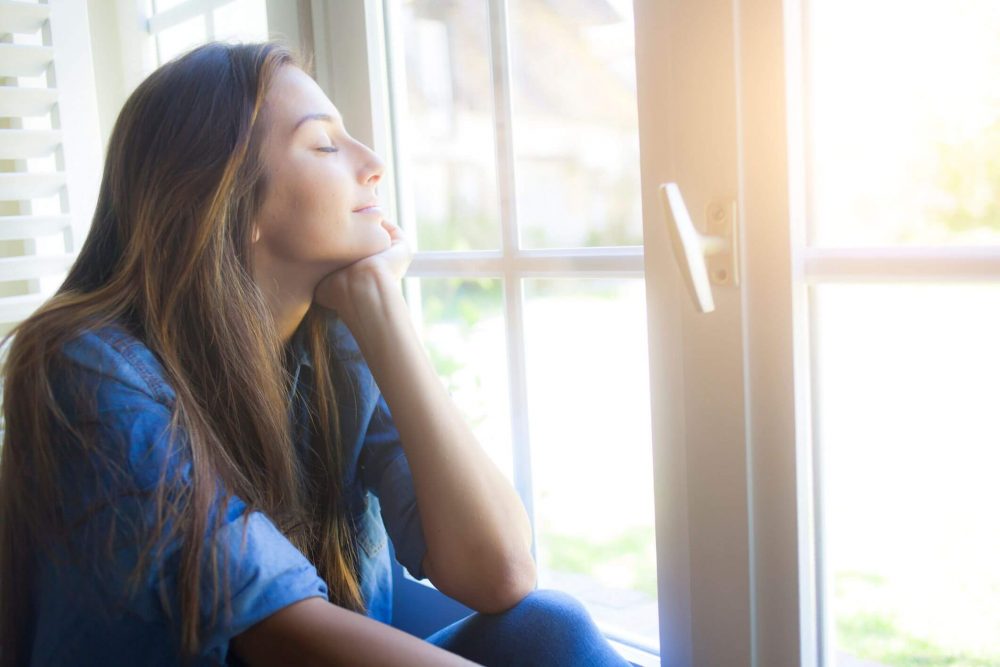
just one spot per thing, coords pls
(303, 217)
(312, 196)
(307, 217)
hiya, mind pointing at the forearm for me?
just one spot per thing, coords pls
(315, 632)
(477, 532)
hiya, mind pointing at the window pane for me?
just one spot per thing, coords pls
(241, 20)
(904, 118)
(445, 120)
(588, 394)
(463, 331)
(910, 445)
(180, 38)
(163, 5)
(576, 139)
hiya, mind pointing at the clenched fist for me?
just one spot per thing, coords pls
(342, 289)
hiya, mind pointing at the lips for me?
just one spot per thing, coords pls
(372, 210)
(365, 207)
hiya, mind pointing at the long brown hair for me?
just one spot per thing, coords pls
(169, 258)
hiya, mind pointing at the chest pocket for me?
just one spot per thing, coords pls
(370, 529)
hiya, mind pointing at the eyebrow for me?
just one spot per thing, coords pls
(316, 116)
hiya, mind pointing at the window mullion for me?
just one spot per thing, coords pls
(500, 63)
(171, 17)
(905, 264)
(513, 293)
(626, 263)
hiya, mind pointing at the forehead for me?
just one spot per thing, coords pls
(294, 94)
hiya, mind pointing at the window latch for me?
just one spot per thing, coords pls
(705, 259)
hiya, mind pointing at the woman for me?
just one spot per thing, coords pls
(197, 460)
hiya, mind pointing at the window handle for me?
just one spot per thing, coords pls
(704, 258)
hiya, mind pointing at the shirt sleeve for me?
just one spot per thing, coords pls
(387, 472)
(384, 469)
(141, 452)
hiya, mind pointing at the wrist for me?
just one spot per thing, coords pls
(376, 307)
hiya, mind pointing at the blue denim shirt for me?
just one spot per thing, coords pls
(84, 619)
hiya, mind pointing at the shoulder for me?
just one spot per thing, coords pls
(116, 429)
(109, 357)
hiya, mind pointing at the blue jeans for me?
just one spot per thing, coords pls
(547, 627)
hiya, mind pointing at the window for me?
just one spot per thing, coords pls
(834, 426)
(179, 25)
(904, 362)
(516, 149)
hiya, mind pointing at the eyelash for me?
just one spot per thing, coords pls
(328, 149)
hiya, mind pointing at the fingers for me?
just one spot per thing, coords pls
(395, 232)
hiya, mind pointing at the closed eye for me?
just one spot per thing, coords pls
(328, 149)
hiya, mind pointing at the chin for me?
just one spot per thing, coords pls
(374, 245)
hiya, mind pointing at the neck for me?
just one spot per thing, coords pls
(288, 294)
(288, 316)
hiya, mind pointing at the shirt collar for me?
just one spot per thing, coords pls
(298, 357)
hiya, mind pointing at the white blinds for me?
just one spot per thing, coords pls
(50, 148)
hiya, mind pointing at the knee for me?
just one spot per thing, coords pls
(551, 607)
(554, 628)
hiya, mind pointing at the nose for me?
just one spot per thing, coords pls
(372, 171)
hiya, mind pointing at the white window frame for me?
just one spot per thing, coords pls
(511, 263)
(763, 60)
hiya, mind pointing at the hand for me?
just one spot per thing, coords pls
(339, 290)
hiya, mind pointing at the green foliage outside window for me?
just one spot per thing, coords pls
(969, 180)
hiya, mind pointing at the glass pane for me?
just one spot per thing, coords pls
(445, 120)
(904, 121)
(180, 38)
(588, 394)
(241, 20)
(576, 138)
(163, 5)
(463, 331)
(910, 443)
